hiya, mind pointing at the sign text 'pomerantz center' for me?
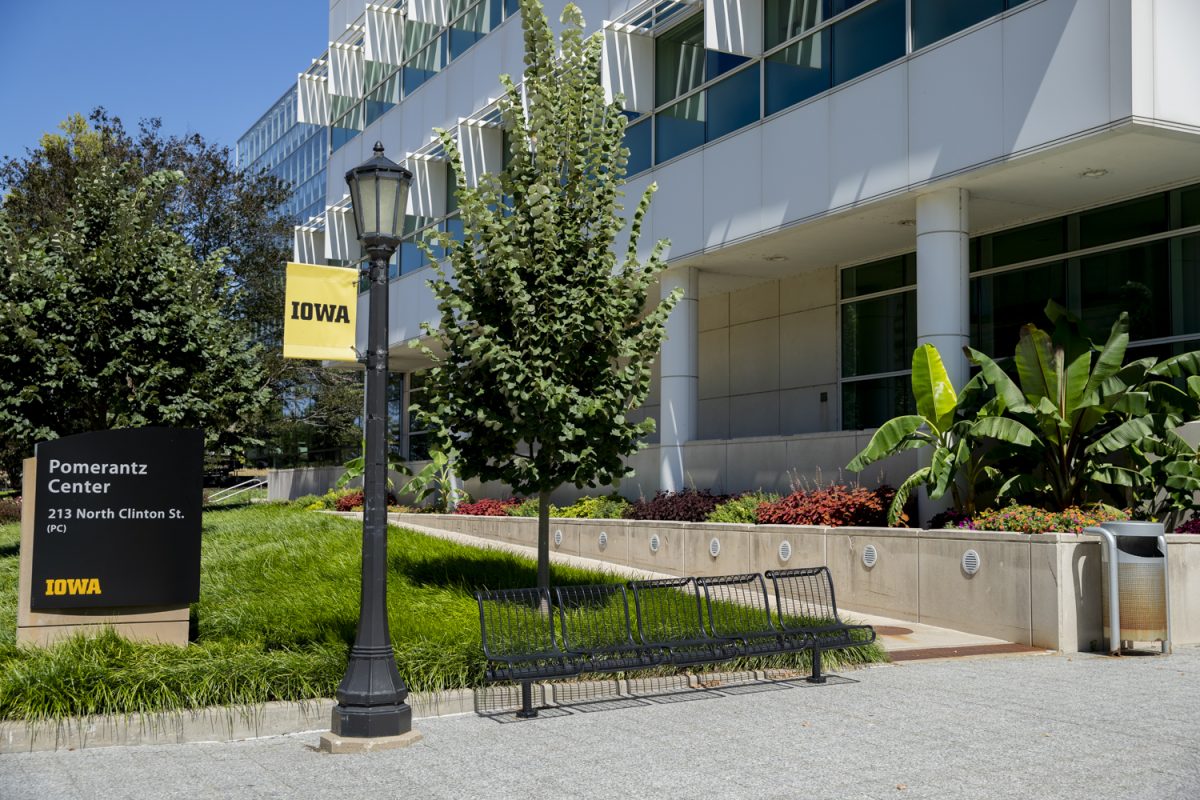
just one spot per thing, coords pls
(117, 519)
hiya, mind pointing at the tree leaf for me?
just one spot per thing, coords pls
(936, 400)
(892, 437)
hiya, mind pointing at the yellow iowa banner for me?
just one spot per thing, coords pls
(318, 312)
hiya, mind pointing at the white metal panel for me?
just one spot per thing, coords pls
(1056, 68)
(734, 26)
(340, 241)
(308, 246)
(1176, 61)
(345, 70)
(627, 66)
(384, 41)
(868, 152)
(432, 12)
(733, 188)
(482, 148)
(427, 197)
(795, 164)
(312, 99)
(956, 105)
(678, 205)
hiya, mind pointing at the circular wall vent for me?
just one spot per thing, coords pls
(870, 556)
(603, 540)
(558, 538)
(714, 547)
(785, 550)
(970, 562)
(655, 543)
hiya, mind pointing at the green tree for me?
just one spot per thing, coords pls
(545, 344)
(108, 317)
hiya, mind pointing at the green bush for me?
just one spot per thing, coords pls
(611, 506)
(743, 509)
(307, 500)
(526, 508)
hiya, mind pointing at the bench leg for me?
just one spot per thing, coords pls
(816, 676)
(527, 710)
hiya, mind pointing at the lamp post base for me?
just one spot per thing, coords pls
(370, 721)
(332, 743)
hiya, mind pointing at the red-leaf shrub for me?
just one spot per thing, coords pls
(688, 505)
(1191, 526)
(834, 506)
(487, 507)
(354, 501)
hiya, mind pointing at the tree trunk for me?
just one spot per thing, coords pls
(543, 569)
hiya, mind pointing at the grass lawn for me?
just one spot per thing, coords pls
(278, 607)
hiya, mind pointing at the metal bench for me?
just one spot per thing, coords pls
(673, 622)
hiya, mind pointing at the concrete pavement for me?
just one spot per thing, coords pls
(1045, 726)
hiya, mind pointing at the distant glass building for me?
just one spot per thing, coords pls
(293, 151)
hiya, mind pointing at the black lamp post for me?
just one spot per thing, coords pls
(371, 695)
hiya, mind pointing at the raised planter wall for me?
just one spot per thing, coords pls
(1043, 591)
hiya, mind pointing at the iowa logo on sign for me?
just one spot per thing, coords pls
(319, 306)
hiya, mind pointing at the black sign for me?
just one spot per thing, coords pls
(117, 519)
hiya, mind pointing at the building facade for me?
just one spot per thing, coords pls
(840, 180)
(293, 151)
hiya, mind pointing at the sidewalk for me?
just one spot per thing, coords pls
(1050, 726)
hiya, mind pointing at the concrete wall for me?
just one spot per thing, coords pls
(1043, 591)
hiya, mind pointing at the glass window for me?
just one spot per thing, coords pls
(838, 6)
(869, 404)
(1001, 304)
(880, 276)
(382, 98)
(637, 139)
(1039, 240)
(936, 19)
(1189, 206)
(467, 29)
(786, 19)
(1187, 297)
(868, 39)
(797, 72)
(679, 60)
(1122, 221)
(679, 128)
(879, 335)
(1134, 279)
(733, 103)
(717, 63)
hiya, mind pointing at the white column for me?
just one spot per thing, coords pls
(680, 364)
(943, 302)
(943, 278)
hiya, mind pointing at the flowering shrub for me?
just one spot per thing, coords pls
(834, 506)
(1191, 526)
(1029, 519)
(487, 507)
(10, 509)
(742, 509)
(950, 519)
(688, 505)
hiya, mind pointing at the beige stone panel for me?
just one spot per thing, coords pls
(571, 533)
(807, 545)
(713, 380)
(812, 289)
(820, 459)
(714, 312)
(803, 411)
(808, 348)
(754, 303)
(704, 466)
(1183, 571)
(756, 464)
(890, 587)
(754, 415)
(995, 601)
(1064, 582)
(668, 559)
(712, 421)
(519, 530)
(616, 550)
(733, 557)
(754, 357)
(175, 633)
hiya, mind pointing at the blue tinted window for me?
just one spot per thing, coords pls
(467, 30)
(339, 136)
(733, 103)
(411, 257)
(786, 19)
(717, 63)
(679, 128)
(679, 60)
(637, 139)
(511, 7)
(797, 72)
(936, 19)
(868, 39)
(838, 6)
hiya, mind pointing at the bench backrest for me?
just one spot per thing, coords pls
(517, 623)
(594, 619)
(668, 612)
(737, 605)
(805, 595)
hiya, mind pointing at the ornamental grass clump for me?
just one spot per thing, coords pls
(833, 506)
(688, 505)
(1032, 520)
(742, 509)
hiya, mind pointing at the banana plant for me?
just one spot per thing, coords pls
(950, 423)
(437, 479)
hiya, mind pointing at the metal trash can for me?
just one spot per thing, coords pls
(1134, 560)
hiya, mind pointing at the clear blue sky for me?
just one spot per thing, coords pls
(206, 66)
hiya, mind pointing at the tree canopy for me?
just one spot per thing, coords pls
(546, 339)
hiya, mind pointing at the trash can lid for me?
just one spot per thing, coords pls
(1134, 528)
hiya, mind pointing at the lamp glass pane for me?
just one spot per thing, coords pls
(388, 185)
(365, 207)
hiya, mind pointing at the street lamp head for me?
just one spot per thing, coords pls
(378, 196)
